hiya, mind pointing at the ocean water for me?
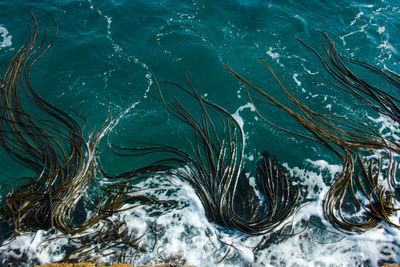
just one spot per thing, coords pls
(101, 61)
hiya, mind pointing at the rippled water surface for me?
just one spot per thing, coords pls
(101, 61)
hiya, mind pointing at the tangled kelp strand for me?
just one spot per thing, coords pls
(347, 141)
(62, 194)
(377, 98)
(54, 150)
(328, 129)
(214, 168)
(380, 100)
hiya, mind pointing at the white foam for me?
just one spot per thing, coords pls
(186, 233)
(361, 29)
(109, 21)
(309, 71)
(296, 80)
(90, 4)
(237, 116)
(387, 46)
(387, 127)
(117, 48)
(6, 38)
(356, 18)
(322, 165)
(34, 246)
(312, 179)
(272, 54)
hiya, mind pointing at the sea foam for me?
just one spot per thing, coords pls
(5, 40)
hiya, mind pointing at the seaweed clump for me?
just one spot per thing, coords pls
(51, 144)
(52, 147)
(213, 166)
(348, 81)
(360, 180)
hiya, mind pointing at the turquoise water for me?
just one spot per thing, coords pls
(101, 60)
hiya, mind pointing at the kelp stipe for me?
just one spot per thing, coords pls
(347, 138)
(213, 167)
(348, 81)
(377, 98)
(52, 145)
(338, 66)
(281, 196)
(65, 170)
(54, 149)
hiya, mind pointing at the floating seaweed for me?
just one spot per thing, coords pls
(378, 99)
(358, 182)
(214, 168)
(53, 146)
(63, 164)
(381, 101)
(54, 149)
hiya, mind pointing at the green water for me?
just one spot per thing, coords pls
(104, 50)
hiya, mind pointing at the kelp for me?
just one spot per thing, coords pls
(62, 192)
(358, 188)
(213, 166)
(54, 149)
(380, 100)
(112, 240)
(336, 132)
(52, 145)
(338, 66)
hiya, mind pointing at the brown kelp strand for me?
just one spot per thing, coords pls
(213, 165)
(349, 81)
(53, 149)
(63, 165)
(359, 182)
(357, 200)
(377, 98)
(276, 187)
(111, 240)
(335, 131)
(62, 192)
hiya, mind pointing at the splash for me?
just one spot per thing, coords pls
(5, 36)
